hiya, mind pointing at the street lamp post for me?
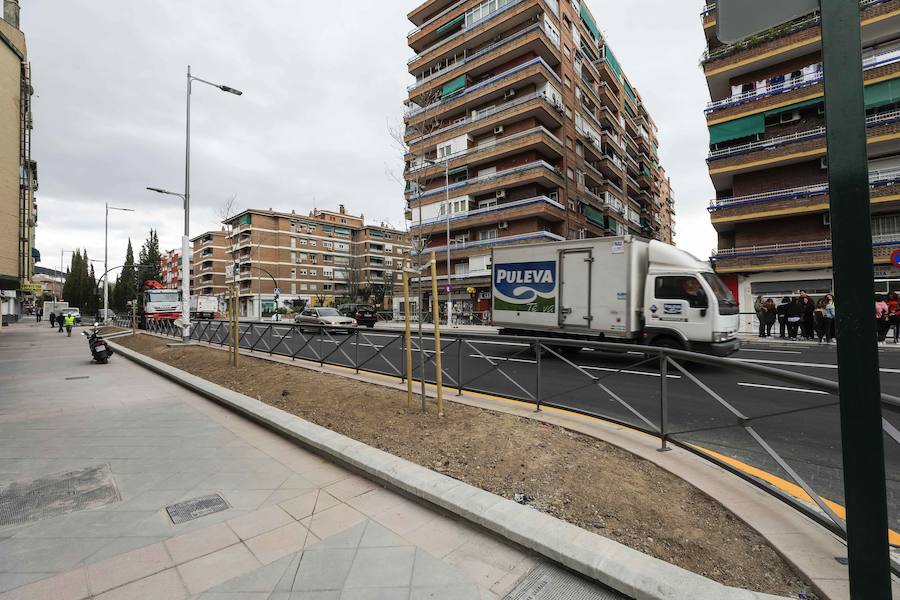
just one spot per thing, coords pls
(186, 197)
(106, 259)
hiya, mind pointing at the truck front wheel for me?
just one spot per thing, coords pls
(667, 342)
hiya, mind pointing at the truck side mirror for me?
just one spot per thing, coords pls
(702, 312)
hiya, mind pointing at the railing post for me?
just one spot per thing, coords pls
(537, 363)
(663, 401)
(356, 355)
(459, 366)
(321, 331)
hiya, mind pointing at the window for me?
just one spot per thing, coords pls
(567, 81)
(487, 203)
(327, 258)
(444, 151)
(312, 242)
(304, 287)
(569, 143)
(327, 245)
(567, 52)
(680, 287)
(488, 234)
(570, 173)
(327, 286)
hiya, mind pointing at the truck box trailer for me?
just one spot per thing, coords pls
(624, 289)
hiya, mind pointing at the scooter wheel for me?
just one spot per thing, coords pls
(102, 361)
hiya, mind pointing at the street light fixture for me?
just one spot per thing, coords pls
(106, 259)
(185, 240)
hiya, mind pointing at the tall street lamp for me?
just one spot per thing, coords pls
(106, 259)
(185, 240)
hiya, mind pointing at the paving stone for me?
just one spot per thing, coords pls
(381, 567)
(263, 579)
(260, 521)
(324, 569)
(209, 571)
(161, 586)
(273, 545)
(201, 542)
(128, 567)
(333, 520)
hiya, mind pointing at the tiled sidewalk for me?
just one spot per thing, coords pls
(298, 527)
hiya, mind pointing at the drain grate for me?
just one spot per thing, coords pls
(549, 582)
(53, 495)
(196, 508)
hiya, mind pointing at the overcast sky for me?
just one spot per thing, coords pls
(323, 82)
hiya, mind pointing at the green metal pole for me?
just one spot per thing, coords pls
(851, 234)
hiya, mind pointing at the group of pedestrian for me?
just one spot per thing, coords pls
(66, 320)
(799, 317)
(887, 315)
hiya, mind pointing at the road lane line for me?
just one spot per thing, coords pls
(782, 388)
(585, 367)
(800, 364)
(773, 351)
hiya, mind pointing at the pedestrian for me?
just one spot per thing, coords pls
(59, 321)
(52, 319)
(69, 321)
(819, 316)
(882, 319)
(760, 308)
(771, 316)
(793, 312)
(782, 317)
(830, 316)
(894, 314)
(807, 318)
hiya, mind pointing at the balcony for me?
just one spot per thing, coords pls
(884, 186)
(794, 255)
(428, 10)
(709, 14)
(539, 236)
(538, 171)
(538, 138)
(808, 84)
(539, 206)
(535, 70)
(804, 145)
(534, 37)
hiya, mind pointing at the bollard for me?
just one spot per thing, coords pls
(663, 402)
(407, 337)
(437, 337)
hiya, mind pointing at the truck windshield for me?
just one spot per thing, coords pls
(723, 294)
(164, 296)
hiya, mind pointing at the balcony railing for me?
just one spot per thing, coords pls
(486, 50)
(485, 178)
(547, 235)
(877, 178)
(885, 239)
(811, 20)
(708, 9)
(800, 136)
(481, 84)
(487, 210)
(873, 61)
(465, 30)
(435, 18)
(484, 148)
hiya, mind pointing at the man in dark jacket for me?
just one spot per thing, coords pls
(782, 317)
(52, 320)
(794, 312)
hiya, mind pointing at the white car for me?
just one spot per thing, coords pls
(325, 316)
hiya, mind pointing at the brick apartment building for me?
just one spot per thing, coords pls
(209, 258)
(18, 172)
(767, 153)
(666, 214)
(544, 137)
(170, 269)
(320, 258)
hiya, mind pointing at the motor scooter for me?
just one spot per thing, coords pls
(100, 350)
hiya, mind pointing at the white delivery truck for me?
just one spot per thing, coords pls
(624, 289)
(204, 307)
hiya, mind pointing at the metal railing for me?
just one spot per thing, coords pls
(538, 164)
(671, 410)
(887, 239)
(782, 140)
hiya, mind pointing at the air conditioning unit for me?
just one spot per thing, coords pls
(826, 219)
(823, 163)
(509, 94)
(500, 194)
(498, 129)
(502, 225)
(789, 117)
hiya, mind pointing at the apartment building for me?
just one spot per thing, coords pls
(321, 258)
(666, 214)
(18, 172)
(210, 257)
(767, 156)
(521, 127)
(170, 269)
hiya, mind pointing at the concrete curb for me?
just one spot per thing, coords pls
(637, 575)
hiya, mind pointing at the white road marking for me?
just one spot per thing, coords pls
(773, 351)
(782, 388)
(585, 367)
(800, 364)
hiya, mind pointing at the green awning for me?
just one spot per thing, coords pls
(454, 86)
(456, 21)
(883, 92)
(629, 111)
(341, 231)
(630, 92)
(36, 254)
(794, 106)
(612, 61)
(459, 171)
(244, 219)
(645, 170)
(589, 22)
(739, 128)
(593, 215)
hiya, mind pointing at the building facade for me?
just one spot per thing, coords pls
(170, 269)
(321, 259)
(521, 127)
(209, 260)
(666, 214)
(767, 156)
(18, 172)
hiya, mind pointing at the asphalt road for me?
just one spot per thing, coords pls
(808, 439)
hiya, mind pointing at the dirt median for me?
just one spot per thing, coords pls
(571, 476)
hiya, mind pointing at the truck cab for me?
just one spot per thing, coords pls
(686, 305)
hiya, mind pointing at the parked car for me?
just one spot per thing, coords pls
(75, 311)
(325, 316)
(364, 314)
